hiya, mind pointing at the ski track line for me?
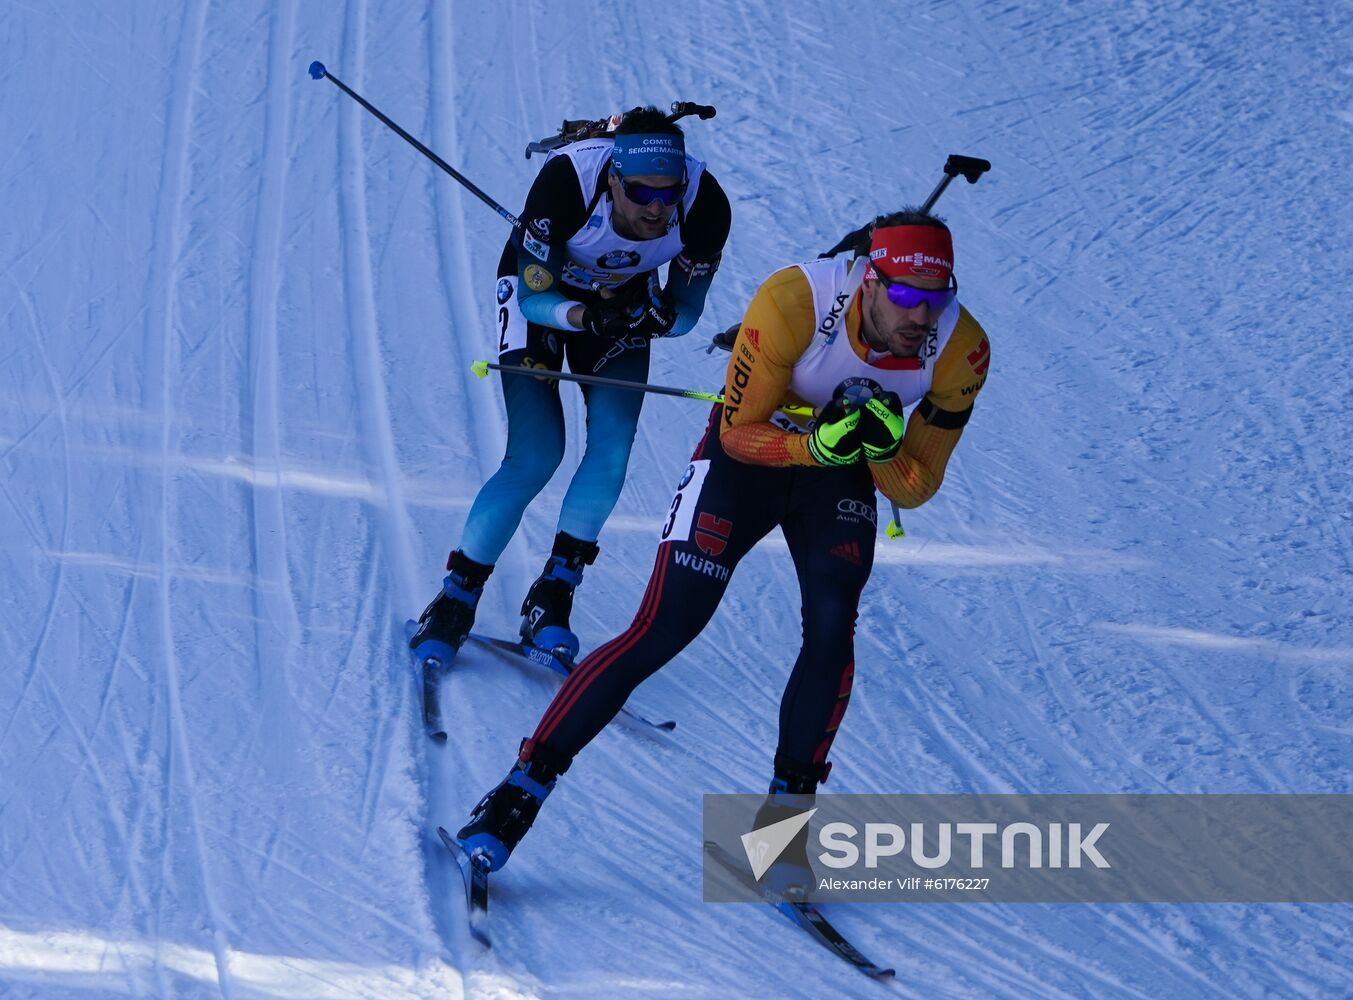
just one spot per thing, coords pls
(1332, 503)
(387, 711)
(132, 881)
(463, 338)
(91, 761)
(48, 237)
(470, 333)
(94, 364)
(935, 939)
(1072, 967)
(163, 275)
(1071, 182)
(377, 433)
(1250, 762)
(21, 511)
(132, 897)
(276, 622)
(755, 23)
(1072, 759)
(35, 666)
(1107, 730)
(131, 884)
(1135, 923)
(376, 426)
(17, 148)
(135, 763)
(806, 34)
(525, 27)
(467, 336)
(326, 889)
(950, 726)
(1102, 229)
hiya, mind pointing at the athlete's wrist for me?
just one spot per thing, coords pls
(569, 315)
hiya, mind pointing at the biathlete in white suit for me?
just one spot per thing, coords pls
(579, 283)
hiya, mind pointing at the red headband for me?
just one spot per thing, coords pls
(912, 252)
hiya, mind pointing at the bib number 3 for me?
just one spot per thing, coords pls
(677, 527)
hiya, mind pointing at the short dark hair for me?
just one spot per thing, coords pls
(647, 120)
(910, 215)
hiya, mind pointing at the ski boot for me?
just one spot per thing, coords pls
(791, 793)
(550, 600)
(446, 621)
(503, 816)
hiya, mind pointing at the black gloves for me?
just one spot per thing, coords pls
(645, 310)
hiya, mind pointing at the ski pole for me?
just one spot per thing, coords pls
(968, 166)
(482, 369)
(318, 71)
(971, 168)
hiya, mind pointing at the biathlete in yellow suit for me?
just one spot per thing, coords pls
(859, 340)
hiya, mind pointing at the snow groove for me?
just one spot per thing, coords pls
(162, 336)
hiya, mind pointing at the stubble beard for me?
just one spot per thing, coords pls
(877, 342)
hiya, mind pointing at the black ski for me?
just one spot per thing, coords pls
(432, 709)
(559, 664)
(475, 871)
(805, 915)
(430, 671)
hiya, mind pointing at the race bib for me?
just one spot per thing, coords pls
(511, 324)
(677, 527)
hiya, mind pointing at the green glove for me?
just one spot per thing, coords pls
(835, 439)
(881, 427)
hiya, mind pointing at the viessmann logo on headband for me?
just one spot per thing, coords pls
(919, 251)
(916, 259)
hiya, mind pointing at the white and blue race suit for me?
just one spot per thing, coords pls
(567, 249)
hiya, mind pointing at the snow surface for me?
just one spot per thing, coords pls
(238, 434)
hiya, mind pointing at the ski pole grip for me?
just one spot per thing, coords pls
(724, 341)
(704, 112)
(970, 167)
(317, 70)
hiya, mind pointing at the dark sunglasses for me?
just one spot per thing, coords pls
(642, 194)
(909, 297)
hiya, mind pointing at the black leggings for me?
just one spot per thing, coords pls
(722, 509)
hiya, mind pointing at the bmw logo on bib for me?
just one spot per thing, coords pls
(504, 290)
(616, 260)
